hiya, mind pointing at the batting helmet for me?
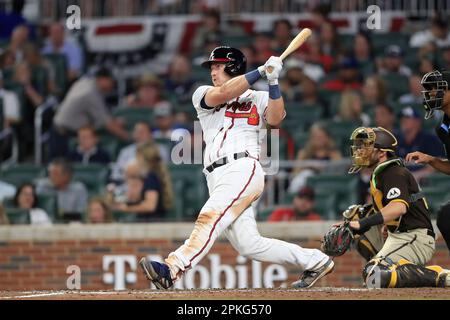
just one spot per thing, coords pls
(234, 60)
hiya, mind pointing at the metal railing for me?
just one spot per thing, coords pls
(56, 9)
(41, 137)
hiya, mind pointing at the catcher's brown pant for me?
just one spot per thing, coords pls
(415, 246)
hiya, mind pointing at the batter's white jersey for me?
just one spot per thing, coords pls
(233, 127)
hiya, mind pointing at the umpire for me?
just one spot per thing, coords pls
(437, 97)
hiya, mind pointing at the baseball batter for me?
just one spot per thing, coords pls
(231, 115)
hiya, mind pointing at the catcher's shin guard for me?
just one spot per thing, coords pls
(404, 274)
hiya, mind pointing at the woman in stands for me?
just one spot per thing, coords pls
(26, 199)
(157, 194)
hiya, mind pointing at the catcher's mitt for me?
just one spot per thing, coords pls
(337, 240)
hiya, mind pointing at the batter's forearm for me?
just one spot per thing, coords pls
(234, 87)
(440, 165)
(275, 112)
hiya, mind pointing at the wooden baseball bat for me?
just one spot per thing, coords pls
(294, 45)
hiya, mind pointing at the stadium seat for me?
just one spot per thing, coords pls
(381, 40)
(124, 217)
(300, 139)
(59, 63)
(21, 173)
(303, 116)
(18, 216)
(237, 41)
(134, 115)
(398, 85)
(347, 41)
(341, 132)
(49, 203)
(343, 186)
(326, 205)
(264, 214)
(438, 180)
(93, 176)
(436, 197)
(40, 79)
(192, 190)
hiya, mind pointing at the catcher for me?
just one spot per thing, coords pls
(400, 260)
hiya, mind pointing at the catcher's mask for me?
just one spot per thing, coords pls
(363, 143)
(435, 85)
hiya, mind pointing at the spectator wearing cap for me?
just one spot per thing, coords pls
(57, 43)
(348, 76)
(148, 93)
(84, 105)
(437, 33)
(302, 208)
(164, 122)
(393, 62)
(413, 138)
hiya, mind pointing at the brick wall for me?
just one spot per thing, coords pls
(38, 264)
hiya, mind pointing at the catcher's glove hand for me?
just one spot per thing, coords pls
(357, 212)
(337, 240)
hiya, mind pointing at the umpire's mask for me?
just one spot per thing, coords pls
(435, 85)
(364, 141)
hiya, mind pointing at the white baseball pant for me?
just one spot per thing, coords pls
(232, 188)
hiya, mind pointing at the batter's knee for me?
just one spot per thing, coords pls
(251, 250)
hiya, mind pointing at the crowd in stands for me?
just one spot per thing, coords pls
(330, 87)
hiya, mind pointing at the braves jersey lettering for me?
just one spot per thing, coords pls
(234, 127)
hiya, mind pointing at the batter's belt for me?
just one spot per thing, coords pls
(223, 161)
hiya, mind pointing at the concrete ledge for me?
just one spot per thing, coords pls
(172, 231)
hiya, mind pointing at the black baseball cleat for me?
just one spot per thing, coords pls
(158, 273)
(310, 277)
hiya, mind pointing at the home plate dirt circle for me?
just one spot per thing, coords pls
(323, 293)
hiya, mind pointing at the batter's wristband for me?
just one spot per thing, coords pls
(274, 92)
(252, 76)
(370, 221)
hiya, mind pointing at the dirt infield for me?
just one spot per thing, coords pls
(237, 294)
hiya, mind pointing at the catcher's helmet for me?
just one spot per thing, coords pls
(234, 60)
(364, 141)
(437, 82)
